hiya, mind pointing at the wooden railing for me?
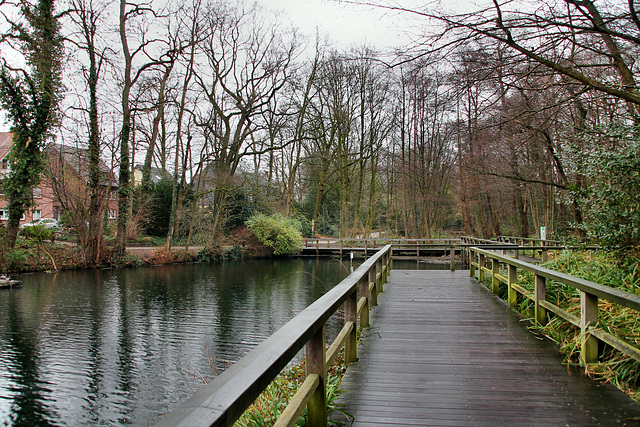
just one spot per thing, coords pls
(329, 242)
(225, 399)
(400, 246)
(590, 292)
(375, 244)
(535, 248)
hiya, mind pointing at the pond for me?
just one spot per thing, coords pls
(112, 347)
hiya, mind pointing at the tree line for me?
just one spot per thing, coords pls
(503, 120)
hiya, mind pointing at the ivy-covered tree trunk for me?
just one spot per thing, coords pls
(97, 196)
(30, 97)
(124, 172)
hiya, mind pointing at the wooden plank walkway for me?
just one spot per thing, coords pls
(443, 351)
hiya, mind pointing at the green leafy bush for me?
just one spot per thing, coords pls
(208, 254)
(280, 234)
(234, 253)
(39, 233)
(611, 201)
(15, 258)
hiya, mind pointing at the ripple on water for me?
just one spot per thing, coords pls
(116, 347)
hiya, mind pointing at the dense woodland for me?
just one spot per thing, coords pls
(494, 122)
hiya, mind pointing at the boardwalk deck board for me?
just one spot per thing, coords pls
(443, 351)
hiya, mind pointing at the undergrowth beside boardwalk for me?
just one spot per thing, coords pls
(266, 410)
(624, 323)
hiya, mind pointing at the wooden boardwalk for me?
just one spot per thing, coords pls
(443, 351)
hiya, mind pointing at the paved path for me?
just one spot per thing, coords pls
(443, 351)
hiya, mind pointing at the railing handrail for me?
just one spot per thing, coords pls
(528, 239)
(226, 398)
(384, 240)
(590, 293)
(617, 296)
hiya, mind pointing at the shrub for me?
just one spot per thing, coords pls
(280, 234)
(610, 201)
(208, 254)
(233, 253)
(128, 260)
(15, 258)
(39, 233)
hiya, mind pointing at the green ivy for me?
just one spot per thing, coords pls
(30, 98)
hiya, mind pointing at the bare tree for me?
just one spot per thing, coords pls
(87, 18)
(133, 14)
(247, 64)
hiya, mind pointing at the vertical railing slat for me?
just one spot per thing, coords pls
(315, 353)
(588, 318)
(350, 315)
(540, 295)
(512, 296)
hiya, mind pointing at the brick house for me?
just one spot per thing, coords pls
(46, 204)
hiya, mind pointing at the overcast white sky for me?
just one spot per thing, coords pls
(345, 25)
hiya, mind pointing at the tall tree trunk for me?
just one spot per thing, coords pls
(124, 185)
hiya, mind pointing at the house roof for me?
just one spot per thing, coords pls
(5, 143)
(77, 158)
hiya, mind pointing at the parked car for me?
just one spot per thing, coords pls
(45, 222)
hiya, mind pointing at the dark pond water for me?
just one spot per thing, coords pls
(112, 347)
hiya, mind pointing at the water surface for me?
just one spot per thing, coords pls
(111, 347)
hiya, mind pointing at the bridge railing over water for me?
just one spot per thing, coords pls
(225, 399)
(372, 245)
(490, 262)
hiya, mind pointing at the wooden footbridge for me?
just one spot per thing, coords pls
(443, 351)
(438, 348)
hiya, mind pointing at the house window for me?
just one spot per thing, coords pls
(5, 164)
(4, 214)
(37, 214)
(113, 214)
(37, 193)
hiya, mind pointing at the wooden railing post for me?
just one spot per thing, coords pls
(386, 263)
(512, 297)
(495, 284)
(464, 250)
(364, 292)
(516, 252)
(452, 261)
(351, 315)
(544, 254)
(588, 318)
(472, 268)
(315, 354)
(373, 297)
(480, 265)
(381, 279)
(540, 295)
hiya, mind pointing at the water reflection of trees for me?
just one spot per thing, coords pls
(110, 345)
